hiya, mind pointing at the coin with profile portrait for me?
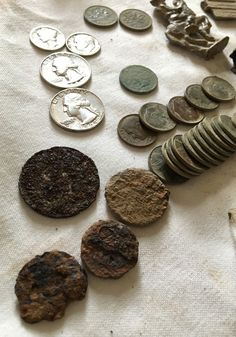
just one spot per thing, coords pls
(83, 44)
(77, 109)
(47, 38)
(65, 70)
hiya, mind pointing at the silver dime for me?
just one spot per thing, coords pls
(65, 70)
(77, 109)
(47, 38)
(83, 44)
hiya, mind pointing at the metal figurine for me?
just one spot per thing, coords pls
(188, 30)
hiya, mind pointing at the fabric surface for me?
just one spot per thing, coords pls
(185, 281)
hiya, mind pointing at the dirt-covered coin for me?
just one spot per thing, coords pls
(222, 131)
(59, 182)
(196, 97)
(109, 249)
(179, 109)
(100, 16)
(47, 283)
(137, 197)
(218, 89)
(227, 125)
(135, 19)
(138, 79)
(155, 117)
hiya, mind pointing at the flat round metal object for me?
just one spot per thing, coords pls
(138, 79)
(228, 126)
(65, 70)
(234, 119)
(77, 109)
(131, 131)
(59, 182)
(215, 123)
(100, 16)
(196, 97)
(135, 19)
(47, 38)
(157, 165)
(83, 44)
(218, 89)
(155, 117)
(179, 109)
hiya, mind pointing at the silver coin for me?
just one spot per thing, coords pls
(83, 44)
(47, 38)
(65, 70)
(77, 109)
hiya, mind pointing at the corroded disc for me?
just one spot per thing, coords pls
(100, 16)
(218, 89)
(196, 97)
(221, 132)
(135, 19)
(109, 249)
(227, 125)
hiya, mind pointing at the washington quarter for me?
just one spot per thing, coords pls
(77, 109)
(47, 38)
(65, 70)
(83, 44)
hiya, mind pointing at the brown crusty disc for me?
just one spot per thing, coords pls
(137, 197)
(109, 249)
(59, 182)
(46, 283)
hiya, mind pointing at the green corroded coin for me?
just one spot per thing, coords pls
(227, 125)
(100, 16)
(218, 89)
(157, 165)
(135, 19)
(155, 117)
(196, 97)
(131, 131)
(217, 126)
(179, 109)
(138, 79)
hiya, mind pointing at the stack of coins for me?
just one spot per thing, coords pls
(207, 144)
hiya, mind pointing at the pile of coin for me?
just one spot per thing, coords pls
(184, 156)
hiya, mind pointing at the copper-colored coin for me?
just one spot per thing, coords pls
(137, 197)
(46, 284)
(109, 249)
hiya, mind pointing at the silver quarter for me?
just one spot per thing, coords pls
(83, 44)
(65, 70)
(77, 109)
(47, 38)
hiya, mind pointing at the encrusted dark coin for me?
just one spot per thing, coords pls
(157, 165)
(228, 126)
(218, 89)
(47, 283)
(131, 131)
(100, 16)
(109, 249)
(137, 197)
(196, 97)
(220, 130)
(138, 79)
(155, 117)
(59, 182)
(179, 109)
(135, 19)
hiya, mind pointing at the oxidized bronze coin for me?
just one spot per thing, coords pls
(218, 89)
(179, 109)
(100, 16)
(227, 125)
(155, 117)
(137, 197)
(46, 284)
(157, 165)
(59, 182)
(135, 19)
(138, 79)
(196, 97)
(131, 131)
(109, 249)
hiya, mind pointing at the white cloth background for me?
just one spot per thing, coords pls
(185, 281)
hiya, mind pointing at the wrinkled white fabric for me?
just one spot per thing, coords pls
(185, 281)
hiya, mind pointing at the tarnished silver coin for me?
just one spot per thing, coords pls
(47, 38)
(155, 117)
(135, 19)
(196, 97)
(77, 109)
(83, 44)
(65, 70)
(218, 89)
(100, 16)
(228, 126)
(234, 119)
(220, 130)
